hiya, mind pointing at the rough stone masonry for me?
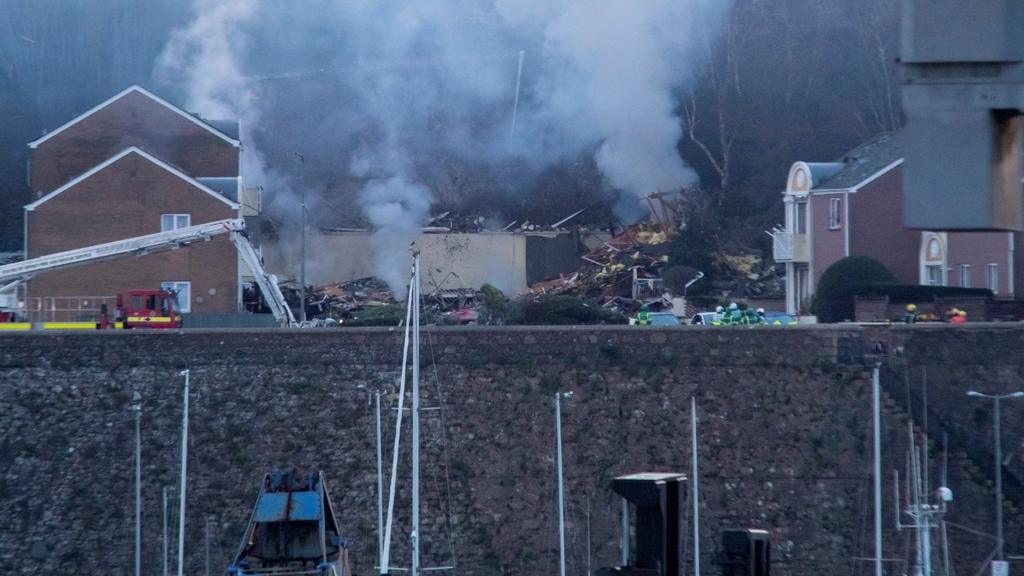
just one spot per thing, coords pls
(785, 416)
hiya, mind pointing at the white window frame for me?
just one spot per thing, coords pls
(936, 279)
(835, 219)
(802, 210)
(183, 307)
(965, 275)
(992, 277)
(177, 221)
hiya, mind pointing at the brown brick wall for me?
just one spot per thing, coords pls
(125, 200)
(133, 120)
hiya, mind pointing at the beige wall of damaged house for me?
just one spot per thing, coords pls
(450, 260)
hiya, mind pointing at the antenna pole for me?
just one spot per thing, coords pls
(515, 105)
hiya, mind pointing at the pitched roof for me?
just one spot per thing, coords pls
(222, 129)
(865, 161)
(143, 154)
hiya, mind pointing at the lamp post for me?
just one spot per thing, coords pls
(184, 463)
(561, 491)
(999, 464)
(137, 409)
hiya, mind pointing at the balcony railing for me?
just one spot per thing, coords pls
(789, 247)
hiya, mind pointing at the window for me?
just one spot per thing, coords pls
(992, 274)
(965, 275)
(801, 217)
(934, 274)
(174, 221)
(184, 293)
(833, 213)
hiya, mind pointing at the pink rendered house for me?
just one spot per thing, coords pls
(855, 207)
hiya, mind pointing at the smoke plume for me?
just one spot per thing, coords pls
(395, 101)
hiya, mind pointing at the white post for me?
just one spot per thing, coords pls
(184, 465)
(561, 495)
(380, 490)
(416, 417)
(696, 489)
(877, 435)
(137, 408)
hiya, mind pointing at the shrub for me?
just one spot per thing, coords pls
(385, 315)
(833, 300)
(562, 310)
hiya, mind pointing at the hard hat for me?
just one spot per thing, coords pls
(719, 308)
(911, 308)
(733, 306)
(961, 313)
(760, 310)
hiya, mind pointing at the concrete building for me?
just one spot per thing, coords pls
(134, 165)
(855, 207)
(511, 261)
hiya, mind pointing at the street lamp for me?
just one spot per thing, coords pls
(561, 493)
(999, 464)
(137, 409)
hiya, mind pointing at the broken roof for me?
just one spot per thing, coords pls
(865, 161)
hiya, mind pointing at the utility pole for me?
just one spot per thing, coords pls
(561, 482)
(137, 408)
(184, 466)
(1001, 544)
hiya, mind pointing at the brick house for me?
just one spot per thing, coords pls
(134, 165)
(855, 207)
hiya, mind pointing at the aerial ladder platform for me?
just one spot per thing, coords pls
(12, 274)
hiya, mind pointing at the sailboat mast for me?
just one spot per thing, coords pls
(416, 416)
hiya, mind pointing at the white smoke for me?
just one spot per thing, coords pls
(395, 93)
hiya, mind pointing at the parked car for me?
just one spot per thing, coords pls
(660, 319)
(703, 319)
(780, 319)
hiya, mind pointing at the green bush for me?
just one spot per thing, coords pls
(560, 310)
(384, 315)
(833, 300)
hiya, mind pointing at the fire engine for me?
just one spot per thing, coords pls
(142, 308)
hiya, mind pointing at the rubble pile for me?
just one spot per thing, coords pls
(620, 271)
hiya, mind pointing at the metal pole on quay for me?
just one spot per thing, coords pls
(1000, 544)
(184, 464)
(137, 408)
(561, 490)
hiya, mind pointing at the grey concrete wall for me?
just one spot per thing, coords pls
(784, 422)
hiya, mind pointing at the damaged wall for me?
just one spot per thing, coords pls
(510, 261)
(785, 443)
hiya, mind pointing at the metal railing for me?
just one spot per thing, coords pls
(68, 308)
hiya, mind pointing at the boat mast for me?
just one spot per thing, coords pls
(416, 415)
